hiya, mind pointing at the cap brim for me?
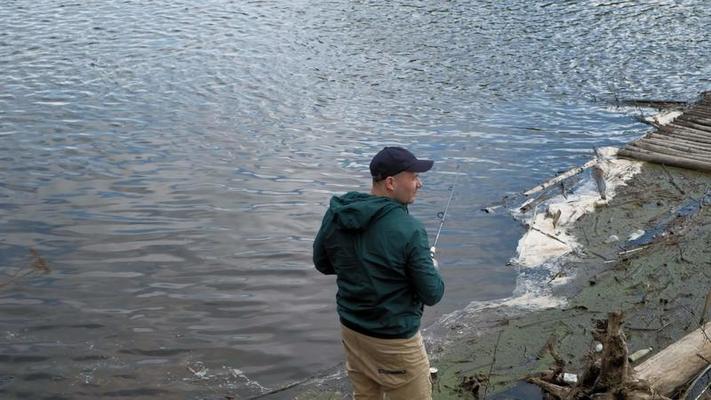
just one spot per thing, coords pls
(421, 166)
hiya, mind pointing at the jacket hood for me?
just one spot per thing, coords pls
(355, 211)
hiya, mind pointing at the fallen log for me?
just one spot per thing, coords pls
(676, 365)
(566, 174)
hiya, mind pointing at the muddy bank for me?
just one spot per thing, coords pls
(658, 279)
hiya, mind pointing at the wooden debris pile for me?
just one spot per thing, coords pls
(609, 375)
(684, 143)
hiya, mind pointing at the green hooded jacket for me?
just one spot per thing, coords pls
(382, 260)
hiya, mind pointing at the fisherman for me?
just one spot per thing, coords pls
(385, 275)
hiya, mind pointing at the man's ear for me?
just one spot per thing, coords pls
(390, 183)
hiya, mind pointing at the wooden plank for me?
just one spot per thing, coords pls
(687, 134)
(677, 144)
(690, 126)
(677, 140)
(686, 129)
(698, 113)
(688, 137)
(693, 125)
(701, 109)
(695, 120)
(642, 145)
(665, 159)
(692, 141)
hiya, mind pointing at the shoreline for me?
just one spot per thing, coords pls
(657, 287)
(660, 287)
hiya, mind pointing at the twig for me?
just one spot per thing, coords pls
(557, 275)
(671, 180)
(550, 347)
(708, 339)
(663, 326)
(557, 391)
(281, 389)
(622, 253)
(548, 234)
(491, 367)
(596, 254)
(37, 265)
(703, 358)
(587, 239)
(15, 277)
(637, 328)
(681, 254)
(292, 385)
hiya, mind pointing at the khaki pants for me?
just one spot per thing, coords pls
(394, 369)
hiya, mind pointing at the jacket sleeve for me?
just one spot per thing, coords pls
(321, 261)
(423, 276)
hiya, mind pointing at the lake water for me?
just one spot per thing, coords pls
(170, 162)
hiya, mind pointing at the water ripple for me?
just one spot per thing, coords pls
(171, 162)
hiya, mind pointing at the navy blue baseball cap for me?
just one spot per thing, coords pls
(391, 161)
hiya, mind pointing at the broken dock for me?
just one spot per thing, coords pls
(684, 143)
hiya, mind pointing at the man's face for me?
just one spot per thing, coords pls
(405, 186)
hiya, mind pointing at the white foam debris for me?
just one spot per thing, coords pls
(533, 301)
(531, 294)
(548, 235)
(664, 117)
(199, 370)
(338, 374)
(470, 317)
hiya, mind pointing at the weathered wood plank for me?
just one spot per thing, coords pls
(697, 119)
(643, 145)
(692, 125)
(690, 142)
(677, 140)
(666, 159)
(677, 145)
(701, 112)
(685, 133)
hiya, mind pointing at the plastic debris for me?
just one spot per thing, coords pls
(570, 379)
(639, 354)
(598, 347)
(636, 234)
(612, 239)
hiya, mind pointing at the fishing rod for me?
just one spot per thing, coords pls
(442, 215)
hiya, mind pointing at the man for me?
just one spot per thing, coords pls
(385, 276)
